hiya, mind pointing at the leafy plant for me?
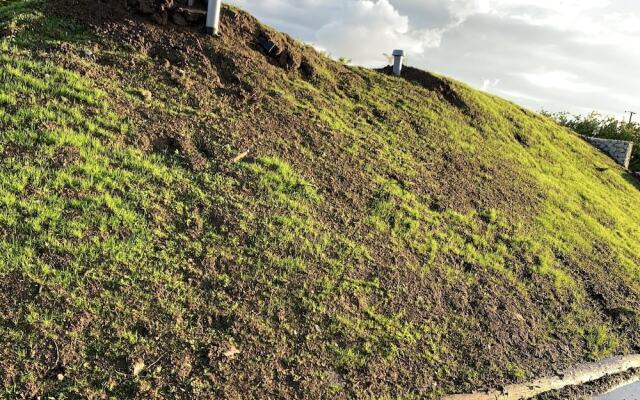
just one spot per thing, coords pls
(606, 127)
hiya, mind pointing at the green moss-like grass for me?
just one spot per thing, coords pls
(379, 240)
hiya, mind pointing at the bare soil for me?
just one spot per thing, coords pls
(238, 111)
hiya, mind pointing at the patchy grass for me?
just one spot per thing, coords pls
(381, 239)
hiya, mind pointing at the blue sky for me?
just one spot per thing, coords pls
(574, 55)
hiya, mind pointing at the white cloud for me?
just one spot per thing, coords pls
(561, 81)
(557, 54)
(462, 9)
(366, 29)
(520, 96)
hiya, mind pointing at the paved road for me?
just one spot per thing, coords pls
(629, 392)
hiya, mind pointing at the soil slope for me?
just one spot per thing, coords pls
(241, 217)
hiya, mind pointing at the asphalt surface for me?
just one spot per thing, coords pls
(628, 392)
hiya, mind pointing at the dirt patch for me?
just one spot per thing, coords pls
(183, 145)
(64, 156)
(162, 12)
(203, 68)
(458, 169)
(176, 11)
(432, 83)
(169, 30)
(15, 151)
(275, 46)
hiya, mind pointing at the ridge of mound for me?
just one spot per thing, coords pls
(195, 217)
(125, 22)
(430, 82)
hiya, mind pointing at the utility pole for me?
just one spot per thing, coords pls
(631, 114)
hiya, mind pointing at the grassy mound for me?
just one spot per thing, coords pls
(189, 217)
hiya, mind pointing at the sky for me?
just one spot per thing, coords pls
(558, 55)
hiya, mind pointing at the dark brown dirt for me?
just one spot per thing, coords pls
(433, 83)
(65, 156)
(162, 12)
(15, 151)
(183, 44)
(227, 80)
(194, 62)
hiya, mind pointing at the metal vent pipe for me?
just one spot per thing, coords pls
(398, 58)
(213, 17)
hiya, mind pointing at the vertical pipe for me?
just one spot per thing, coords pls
(213, 17)
(398, 57)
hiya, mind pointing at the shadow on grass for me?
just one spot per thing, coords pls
(632, 179)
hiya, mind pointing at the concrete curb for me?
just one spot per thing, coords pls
(579, 375)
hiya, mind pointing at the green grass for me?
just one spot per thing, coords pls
(377, 242)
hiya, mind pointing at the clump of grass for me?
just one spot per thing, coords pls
(600, 342)
(278, 178)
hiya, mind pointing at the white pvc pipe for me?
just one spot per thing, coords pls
(398, 57)
(213, 17)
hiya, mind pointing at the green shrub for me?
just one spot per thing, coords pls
(598, 125)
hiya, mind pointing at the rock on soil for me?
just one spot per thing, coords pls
(179, 13)
(177, 37)
(165, 11)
